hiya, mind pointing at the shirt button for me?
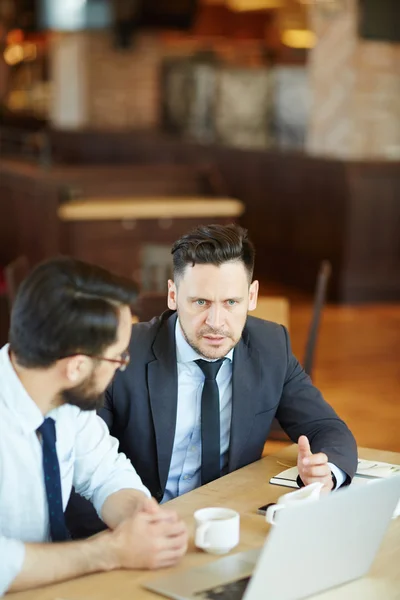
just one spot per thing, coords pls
(193, 448)
(186, 477)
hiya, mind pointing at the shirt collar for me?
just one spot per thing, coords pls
(185, 353)
(15, 396)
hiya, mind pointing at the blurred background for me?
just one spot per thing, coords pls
(124, 123)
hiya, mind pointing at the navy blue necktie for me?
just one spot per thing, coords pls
(210, 422)
(52, 480)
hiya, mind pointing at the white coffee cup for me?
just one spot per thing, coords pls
(308, 493)
(217, 529)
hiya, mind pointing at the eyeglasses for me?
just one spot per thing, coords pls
(123, 362)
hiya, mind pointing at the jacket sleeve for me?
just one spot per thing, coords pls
(303, 411)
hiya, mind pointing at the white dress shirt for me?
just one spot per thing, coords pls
(88, 458)
(185, 469)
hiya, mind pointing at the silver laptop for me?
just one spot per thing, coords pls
(314, 547)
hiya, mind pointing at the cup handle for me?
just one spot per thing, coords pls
(201, 534)
(271, 511)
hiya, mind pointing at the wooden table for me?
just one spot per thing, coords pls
(149, 207)
(243, 491)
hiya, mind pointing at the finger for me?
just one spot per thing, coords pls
(169, 548)
(304, 446)
(178, 543)
(318, 471)
(165, 562)
(170, 515)
(326, 481)
(327, 487)
(151, 506)
(169, 529)
(169, 557)
(180, 530)
(315, 459)
(177, 540)
(164, 515)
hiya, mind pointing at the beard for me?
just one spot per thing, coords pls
(84, 396)
(212, 354)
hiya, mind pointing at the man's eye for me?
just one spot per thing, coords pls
(232, 302)
(200, 302)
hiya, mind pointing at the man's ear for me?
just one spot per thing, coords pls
(76, 368)
(253, 295)
(171, 300)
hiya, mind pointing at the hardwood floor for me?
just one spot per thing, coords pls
(357, 365)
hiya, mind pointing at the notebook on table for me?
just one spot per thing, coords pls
(367, 471)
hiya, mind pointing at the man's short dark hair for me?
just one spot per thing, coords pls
(213, 245)
(66, 307)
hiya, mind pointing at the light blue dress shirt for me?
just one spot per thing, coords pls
(185, 469)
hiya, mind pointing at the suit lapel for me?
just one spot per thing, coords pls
(246, 378)
(163, 392)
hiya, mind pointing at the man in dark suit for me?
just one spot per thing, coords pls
(206, 380)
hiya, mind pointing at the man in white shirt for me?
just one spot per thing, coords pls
(70, 328)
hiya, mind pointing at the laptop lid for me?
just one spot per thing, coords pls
(313, 547)
(322, 544)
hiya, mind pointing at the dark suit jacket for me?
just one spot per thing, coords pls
(267, 382)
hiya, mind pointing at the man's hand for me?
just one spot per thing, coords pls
(125, 504)
(142, 541)
(151, 506)
(313, 467)
(149, 541)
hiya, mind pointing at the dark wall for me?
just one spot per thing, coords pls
(299, 209)
(30, 197)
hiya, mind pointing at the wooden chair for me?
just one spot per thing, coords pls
(276, 308)
(273, 308)
(14, 273)
(319, 301)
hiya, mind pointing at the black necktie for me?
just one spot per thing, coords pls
(52, 480)
(210, 427)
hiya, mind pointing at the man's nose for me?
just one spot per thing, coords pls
(215, 316)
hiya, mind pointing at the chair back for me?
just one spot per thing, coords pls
(319, 301)
(272, 308)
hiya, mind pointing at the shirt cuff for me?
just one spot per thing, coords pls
(339, 474)
(12, 554)
(125, 478)
(100, 498)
